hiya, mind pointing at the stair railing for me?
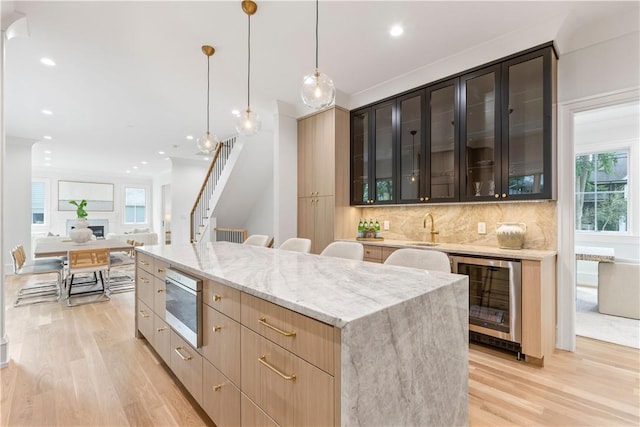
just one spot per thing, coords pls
(200, 210)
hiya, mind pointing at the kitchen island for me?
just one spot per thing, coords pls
(320, 340)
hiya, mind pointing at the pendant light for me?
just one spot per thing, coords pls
(207, 142)
(249, 122)
(317, 88)
(413, 151)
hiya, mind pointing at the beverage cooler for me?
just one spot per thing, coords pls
(495, 300)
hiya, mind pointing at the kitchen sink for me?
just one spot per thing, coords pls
(424, 244)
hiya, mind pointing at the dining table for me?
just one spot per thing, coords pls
(61, 248)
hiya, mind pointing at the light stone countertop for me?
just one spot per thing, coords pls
(333, 290)
(465, 249)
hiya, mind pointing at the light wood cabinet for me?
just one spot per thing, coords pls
(159, 297)
(144, 317)
(223, 298)
(323, 165)
(252, 416)
(144, 286)
(186, 364)
(162, 339)
(221, 342)
(379, 254)
(221, 399)
(290, 390)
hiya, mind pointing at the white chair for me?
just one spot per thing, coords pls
(296, 244)
(259, 240)
(420, 258)
(348, 250)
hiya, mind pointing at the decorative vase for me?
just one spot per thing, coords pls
(510, 234)
(81, 233)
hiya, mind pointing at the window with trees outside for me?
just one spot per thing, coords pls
(135, 205)
(602, 191)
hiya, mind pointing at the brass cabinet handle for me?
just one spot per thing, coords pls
(216, 297)
(143, 262)
(263, 359)
(182, 356)
(144, 279)
(161, 270)
(217, 328)
(218, 387)
(263, 321)
(161, 329)
(144, 313)
(160, 290)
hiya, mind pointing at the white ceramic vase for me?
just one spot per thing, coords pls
(81, 233)
(511, 234)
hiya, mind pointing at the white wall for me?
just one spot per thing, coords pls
(57, 221)
(285, 174)
(186, 179)
(158, 216)
(16, 216)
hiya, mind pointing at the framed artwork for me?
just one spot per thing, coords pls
(99, 196)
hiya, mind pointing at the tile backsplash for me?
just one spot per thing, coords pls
(459, 223)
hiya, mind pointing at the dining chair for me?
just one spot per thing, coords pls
(348, 250)
(259, 240)
(296, 244)
(47, 291)
(420, 258)
(95, 261)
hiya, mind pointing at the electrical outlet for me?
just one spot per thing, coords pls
(385, 225)
(482, 228)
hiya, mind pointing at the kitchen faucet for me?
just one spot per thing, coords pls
(433, 231)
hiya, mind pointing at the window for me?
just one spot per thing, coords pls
(38, 193)
(602, 191)
(135, 205)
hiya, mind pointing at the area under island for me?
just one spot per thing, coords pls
(301, 339)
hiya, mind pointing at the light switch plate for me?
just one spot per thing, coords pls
(482, 228)
(385, 225)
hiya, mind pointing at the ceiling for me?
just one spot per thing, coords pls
(130, 78)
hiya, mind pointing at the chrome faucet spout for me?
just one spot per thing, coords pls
(433, 232)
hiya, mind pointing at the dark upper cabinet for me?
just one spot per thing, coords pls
(373, 164)
(484, 135)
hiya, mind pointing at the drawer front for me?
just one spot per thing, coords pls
(373, 253)
(144, 262)
(159, 297)
(221, 399)
(252, 416)
(386, 252)
(308, 338)
(162, 339)
(145, 320)
(290, 390)
(223, 298)
(144, 286)
(221, 343)
(160, 268)
(186, 363)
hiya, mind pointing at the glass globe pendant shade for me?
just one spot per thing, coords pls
(248, 123)
(318, 90)
(207, 143)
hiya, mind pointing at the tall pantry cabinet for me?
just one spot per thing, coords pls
(323, 176)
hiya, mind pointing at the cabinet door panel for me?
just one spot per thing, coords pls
(159, 297)
(324, 153)
(221, 343)
(324, 223)
(145, 320)
(360, 158)
(144, 286)
(252, 416)
(306, 132)
(384, 164)
(221, 399)
(410, 137)
(162, 339)
(186, 363)
(306, 218)
(223, 298)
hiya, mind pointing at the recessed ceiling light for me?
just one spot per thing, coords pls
(160, 152)
(144, 162)
(47, 159)
(47, 164)
(167, 158)
(236, 113)
(48, 61)
(206, 159)
(128, 171)
(47, 112)
(47, 137)
(135, 167)
(396, 31)
(189, 137)
(47, 151)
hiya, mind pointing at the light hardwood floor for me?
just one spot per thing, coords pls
(82, 366)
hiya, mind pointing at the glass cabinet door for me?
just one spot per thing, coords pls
(360, 158)
(524, 127)
(443, 142)
(383, 144)
(481, 141)
(410, 155)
